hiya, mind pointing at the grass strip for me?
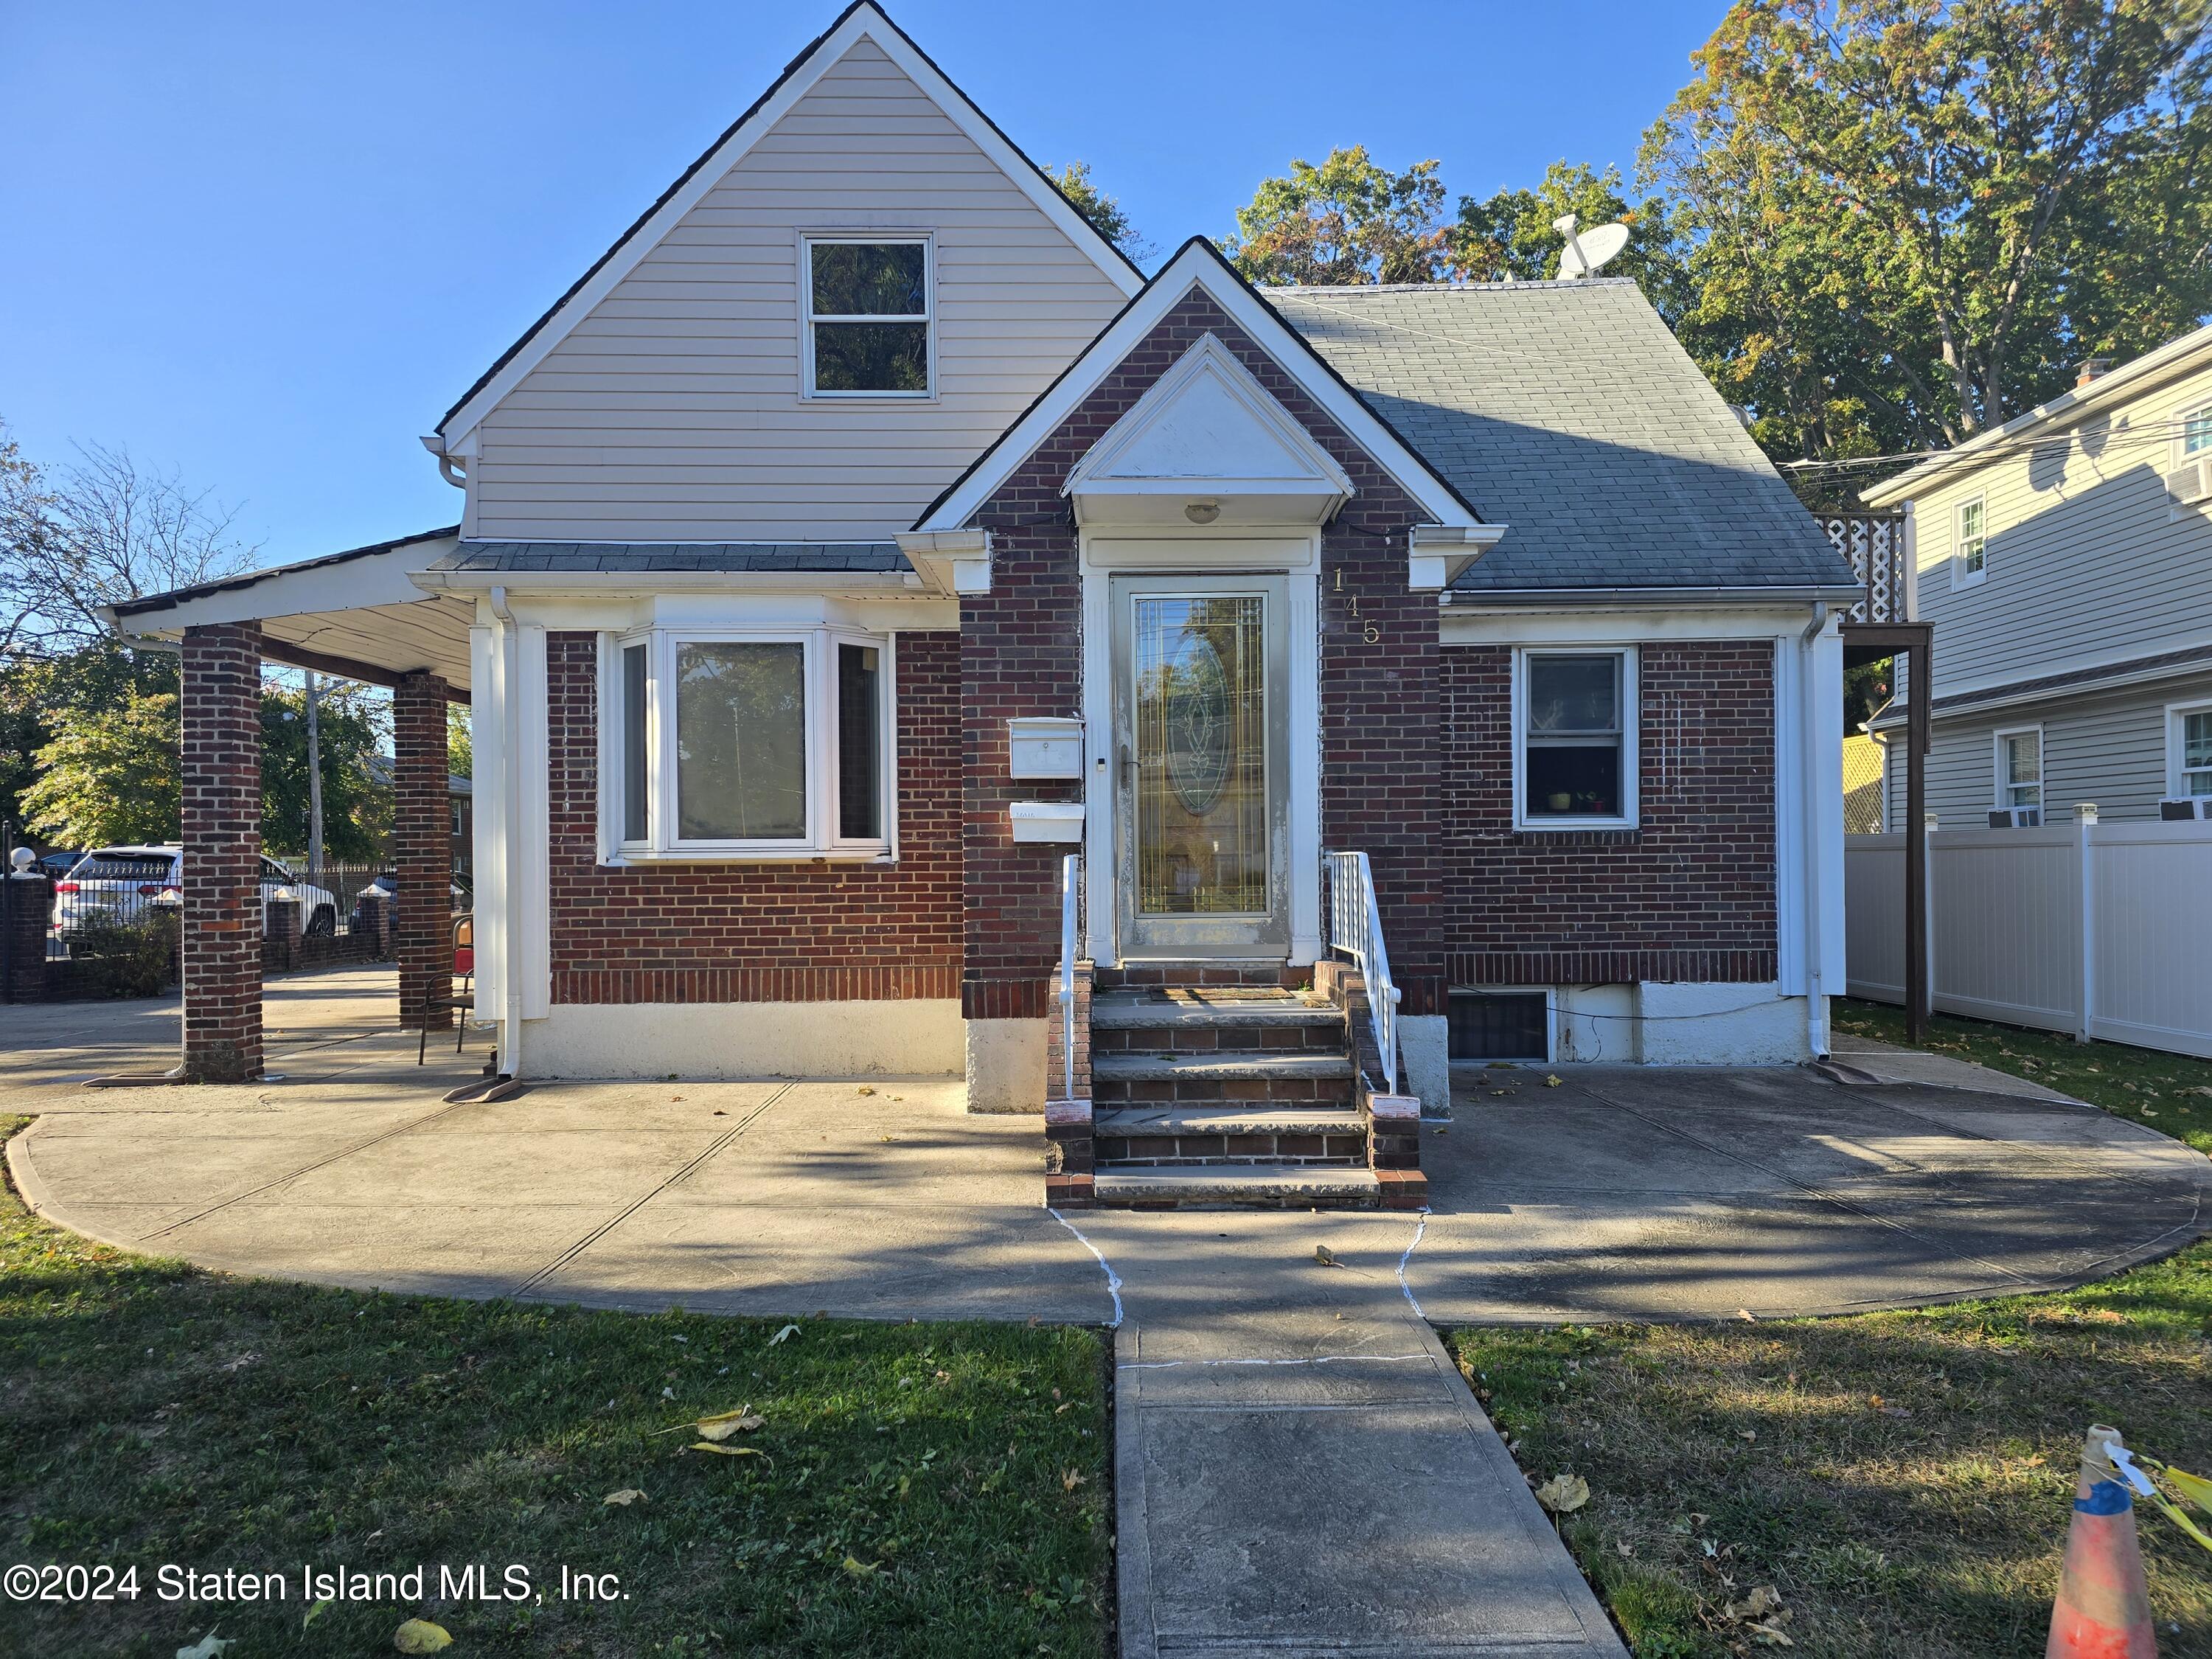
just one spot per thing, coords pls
(1901, 1482)
(920, 1489)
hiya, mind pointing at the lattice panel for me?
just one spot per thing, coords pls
(1875, 545)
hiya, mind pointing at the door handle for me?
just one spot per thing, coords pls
(1128, 769)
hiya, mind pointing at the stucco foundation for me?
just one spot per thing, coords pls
(1006, 1065)
(746, 1039)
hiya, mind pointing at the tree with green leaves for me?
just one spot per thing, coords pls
(110, 775)
(354, 727)
(1910, 219)
(1509, 237)
(1346, 221)
(1105, 213)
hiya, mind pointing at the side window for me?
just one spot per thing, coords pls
(1574, 736)
(868, 318)
(2020, 769)
(1970, 559)
(2189, 743)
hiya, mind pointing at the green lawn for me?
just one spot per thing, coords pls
(921, 1489)
(1900, 1481)
(2168, 1092)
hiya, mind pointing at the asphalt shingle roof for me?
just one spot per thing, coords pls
(829, 556)
(1567, 411)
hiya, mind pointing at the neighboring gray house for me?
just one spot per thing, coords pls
(2065, 560)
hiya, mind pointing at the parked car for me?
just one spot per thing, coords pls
(119, 882)
(59, 863)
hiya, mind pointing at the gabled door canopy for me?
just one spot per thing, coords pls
(1207, 444)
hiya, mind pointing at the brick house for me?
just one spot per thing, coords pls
(863, 537)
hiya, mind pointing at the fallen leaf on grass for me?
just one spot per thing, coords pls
(1070, 1480)
(1564, 1493)
(1626, 1549)
(726, 1451)
(723, 1425)
(625, 1497)
(1746, 1314)
(1763, 1601)
(1326, 1256)
(788, 1330)
(420, 1635)
(859, 1569)
(315, 1613)
(1747, 1434)
(210, 1646)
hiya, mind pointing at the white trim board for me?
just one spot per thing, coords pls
(1199, 265)
(862, 20)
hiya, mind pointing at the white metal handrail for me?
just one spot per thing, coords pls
(1355, 930)
(1071, 882)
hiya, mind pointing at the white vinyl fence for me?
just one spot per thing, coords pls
(2102, 930)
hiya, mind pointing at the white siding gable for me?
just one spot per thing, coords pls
(671, 409)
(2087, 560)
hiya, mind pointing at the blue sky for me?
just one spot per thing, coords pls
(268, 245)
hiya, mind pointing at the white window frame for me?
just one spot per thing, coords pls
(2000, 774)
(1961, 576)
(1630, 719)
(823, 840)
(2181, 449)
(808, 241)
(2176, 716)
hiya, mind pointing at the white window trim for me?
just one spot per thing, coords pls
(1630, 719)
(2181, 420)
(1960, 576)
(822, 841)
(1999, 777)
(807, 240)
(2175, 712)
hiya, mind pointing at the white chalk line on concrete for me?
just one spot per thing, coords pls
(1113, 1278)
(1420, 1227)
(1316, 1359)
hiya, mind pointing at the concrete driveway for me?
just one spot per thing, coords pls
(1616, 1194)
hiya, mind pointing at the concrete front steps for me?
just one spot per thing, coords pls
(1224, 1090)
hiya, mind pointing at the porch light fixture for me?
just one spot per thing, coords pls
(1202, 512)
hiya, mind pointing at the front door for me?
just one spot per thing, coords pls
(1201, 826)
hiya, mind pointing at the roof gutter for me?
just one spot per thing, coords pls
(1630, 599)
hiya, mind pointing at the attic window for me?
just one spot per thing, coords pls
(867, 318)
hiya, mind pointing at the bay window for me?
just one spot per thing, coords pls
(753, 743)
(1574, 739)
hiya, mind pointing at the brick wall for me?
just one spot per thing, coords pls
(422, 851)
(1688, 895)
(220, 671)
(1022, 655)
(811, 932)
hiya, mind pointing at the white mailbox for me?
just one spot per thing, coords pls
(1045, 748)
(1047, 820)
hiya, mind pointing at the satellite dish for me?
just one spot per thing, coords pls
(1585, 254)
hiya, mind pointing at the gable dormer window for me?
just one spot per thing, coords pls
(868, 317)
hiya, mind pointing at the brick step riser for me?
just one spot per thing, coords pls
(1107, 1092)
(1138, 1150)
(1166, 1039)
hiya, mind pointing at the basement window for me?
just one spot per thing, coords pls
(1574, 739)
(1499, 1026)
(730, 743)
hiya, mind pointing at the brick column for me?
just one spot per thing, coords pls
(30, 907)
(422, 849)
(222, 944)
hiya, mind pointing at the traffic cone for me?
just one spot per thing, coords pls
(2103, 1610)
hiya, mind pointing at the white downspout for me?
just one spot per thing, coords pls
(510, 786)
(1816, 999)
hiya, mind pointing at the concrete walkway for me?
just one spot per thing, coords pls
(1300, 1469)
